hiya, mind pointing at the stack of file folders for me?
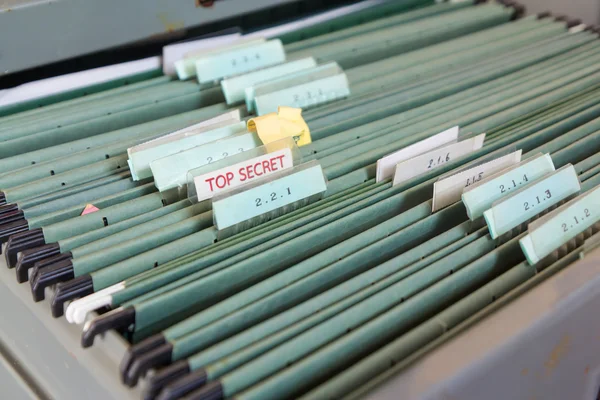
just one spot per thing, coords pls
(291, 216)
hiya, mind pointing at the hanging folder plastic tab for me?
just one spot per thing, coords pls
(561, 225)
(141, 157)
(230, 117)
(234, 88)
(305, 89)
(176, 51)
(480, 196)
(252, 204)
(448, 190)
(217, 66)
(231, 172)
(425, 162)
(186, 68)
(387, 165)
(531, 200)
(171, 171)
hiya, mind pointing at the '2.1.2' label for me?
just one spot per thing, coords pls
(561, 225)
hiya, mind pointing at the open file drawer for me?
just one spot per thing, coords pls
(547, 333)
(543, 345)
(43, 357)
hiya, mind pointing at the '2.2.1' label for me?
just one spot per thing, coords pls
(273, 197)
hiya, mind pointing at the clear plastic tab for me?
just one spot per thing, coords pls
(558, 227)
(207, 181)
(480, 196)
(249, 205)
(522, 205)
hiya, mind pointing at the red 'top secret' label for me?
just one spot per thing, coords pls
(209, 184)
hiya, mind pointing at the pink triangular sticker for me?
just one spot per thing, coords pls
(90, 208)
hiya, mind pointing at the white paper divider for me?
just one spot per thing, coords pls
(433, 159)
(75, 80)
(387, 165)
(449, 190)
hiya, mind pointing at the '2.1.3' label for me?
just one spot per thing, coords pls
(531, 200)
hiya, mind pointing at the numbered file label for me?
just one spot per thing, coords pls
(171, 172)
(141, 154)
(282, 192)
(479, 197)
(176, 51)
(448, 191)
(561, 225)
(239, 61)
(436, 158)
(304, 89)
(387, 165)
(526, 203)
(207, 185)
(140, 158)
(186, 68)
(234, 88)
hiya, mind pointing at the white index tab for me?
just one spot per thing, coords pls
(387, 164)
(448, 191)
(436, 158)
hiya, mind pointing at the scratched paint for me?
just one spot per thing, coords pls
(170, 26)
(557, 354)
